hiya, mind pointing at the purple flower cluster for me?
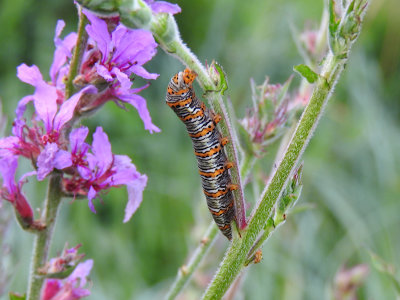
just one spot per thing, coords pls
(70, 288)
(114, 55)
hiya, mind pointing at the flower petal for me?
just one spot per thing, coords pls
(45, 96)
(8, 167)
(63, 50)
(101, 148)
(98, 31)
(123, 79)
(21, 107)
(91, 195)
(68, 107)
(140, 104)
(51, 288)
(135, 196)
(77, 138)
(45, 161)
(142, 72)
(82, 271)
(103, 72)
(133, 46)
(8, 146)
(165, 7)
(30, 75)
(62, 160)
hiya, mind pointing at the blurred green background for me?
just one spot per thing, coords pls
(351, 167)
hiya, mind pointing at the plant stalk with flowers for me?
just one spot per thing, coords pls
(96, 66)
(90, 68)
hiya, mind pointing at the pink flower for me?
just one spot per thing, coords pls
(70, 288)
(100, 170)
(118, 55)
(163, 7)
(12, 191)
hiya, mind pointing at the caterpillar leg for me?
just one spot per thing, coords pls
(216, 119)
(229, 165)
(232, 187)
(224, 141)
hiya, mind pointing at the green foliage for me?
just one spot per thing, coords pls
(307, 73)
(16, 296)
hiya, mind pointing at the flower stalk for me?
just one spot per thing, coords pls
(77, 54)
(43, 238)
(186, 271)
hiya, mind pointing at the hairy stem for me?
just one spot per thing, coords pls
(77, 55)
(236, 255)
(42, 240)
(186, 271)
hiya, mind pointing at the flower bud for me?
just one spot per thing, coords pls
(218, 76)
(136, 14)
(63, 265)
(104, 7)
(289, 196)
(348, 280)
(266, 120)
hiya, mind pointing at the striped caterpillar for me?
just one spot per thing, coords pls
(208, 147)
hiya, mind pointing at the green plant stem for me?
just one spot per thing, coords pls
(77, 55)
(42, 240)
(246, 166)
(236, 255)
(186, 271)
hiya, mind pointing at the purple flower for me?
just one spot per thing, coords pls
(12, 191)
(64, 264)
(53, 117)
(70, 288)
(101, 169)
(163, 7)
(119, 55)
(59, 68)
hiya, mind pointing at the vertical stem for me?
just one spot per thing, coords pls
(186, 271)
(77, 55)
(246, 166)
(43, 238)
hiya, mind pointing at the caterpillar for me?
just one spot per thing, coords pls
(208, 147)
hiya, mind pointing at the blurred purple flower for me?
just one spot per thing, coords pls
(163, 7)
(12, 191)
(59, 68)
(118, 56)
(101, 170)
(54, 118)
(64, 264)
(70, 288)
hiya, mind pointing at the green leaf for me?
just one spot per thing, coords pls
(307, 73)
(218, 76)
(14, 296)
(245, 140)
(333, 18)
(102, 7)
(385, 268)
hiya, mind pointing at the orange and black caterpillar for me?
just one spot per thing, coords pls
(208, 147)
